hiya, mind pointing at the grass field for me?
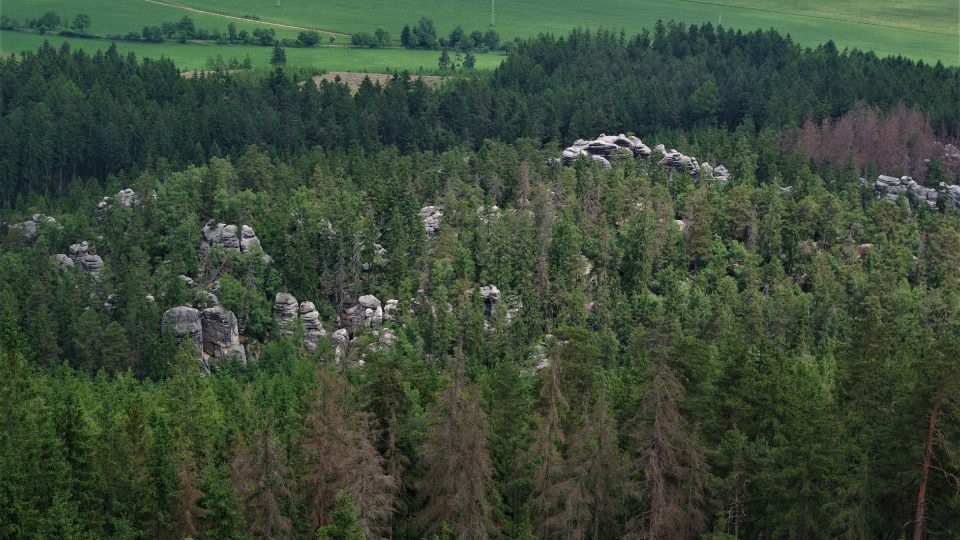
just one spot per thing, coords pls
(927, 30)
(193, 56)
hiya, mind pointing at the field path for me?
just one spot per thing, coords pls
(244, 19)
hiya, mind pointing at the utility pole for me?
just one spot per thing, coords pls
(492, 11)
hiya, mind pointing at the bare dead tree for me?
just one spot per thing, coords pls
(186, 510)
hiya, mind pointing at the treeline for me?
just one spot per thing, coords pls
(47, 22)
(81, 115)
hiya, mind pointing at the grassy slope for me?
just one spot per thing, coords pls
(193, 56)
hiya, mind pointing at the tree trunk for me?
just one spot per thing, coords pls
(927, 458)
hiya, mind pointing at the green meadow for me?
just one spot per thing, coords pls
(921, 30)
(194, 56)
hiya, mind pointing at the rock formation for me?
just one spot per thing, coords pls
(892, 187)
(31, 227)
(125, 198)
(431, 218)
(220, 337)
(676, 161)
(368, 312)
(84, 256)
(228, 237)
(491, 296)
(313, 329)
(603, 147)
(185, 323)
(285, 311)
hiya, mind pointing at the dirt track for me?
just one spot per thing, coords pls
(260, 21)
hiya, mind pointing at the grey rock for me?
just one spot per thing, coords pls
(431, 215)
(369, 301)
(185, 323)
(676, 161)
(221, 337)
(491, 296)
(313, 329)
(30, 228)
(285, 311)
(84, 256)
(187, 280)
(603, 148)
(390, 309)
(63, 262)
(249, 243)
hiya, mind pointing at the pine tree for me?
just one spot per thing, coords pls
(279, 56)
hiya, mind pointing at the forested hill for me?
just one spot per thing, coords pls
(248, 308)
(66, 114)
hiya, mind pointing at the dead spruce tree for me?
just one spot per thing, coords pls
(669, 465)
(457, 481)
(340, 449)
(261, 476)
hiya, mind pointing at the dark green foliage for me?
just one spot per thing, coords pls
(783, 366)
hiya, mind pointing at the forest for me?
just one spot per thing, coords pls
(561, 351)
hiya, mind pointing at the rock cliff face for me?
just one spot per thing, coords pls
(185, 324)
(213, 332)
(313, 329)
(491, 296)
(221, 337)
(368, 312)
(285, 310)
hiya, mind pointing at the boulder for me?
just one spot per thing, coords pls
(285, 311)
(340, 339)
(249, 243)
(221, 337)
(63, 262)
(185, 323)
(390, 309)
(681, 224)
(891, 187)
(430, 215)
(676, 161)
(369, 301)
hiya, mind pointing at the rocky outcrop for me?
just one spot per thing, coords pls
(285, 311)
(368, 312)
(390, 310)
(221, 337)
(84, 256)
(30, 228)
(63, 262)
(892, 187)
(491, 296)
(431, 215)
(678, 162)
(229, 237)
(602, 149)
(313, 329)
(341, 340)
(125, 198)
(184, 322)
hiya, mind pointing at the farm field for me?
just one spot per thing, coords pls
(928, 30)
(193, 56)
